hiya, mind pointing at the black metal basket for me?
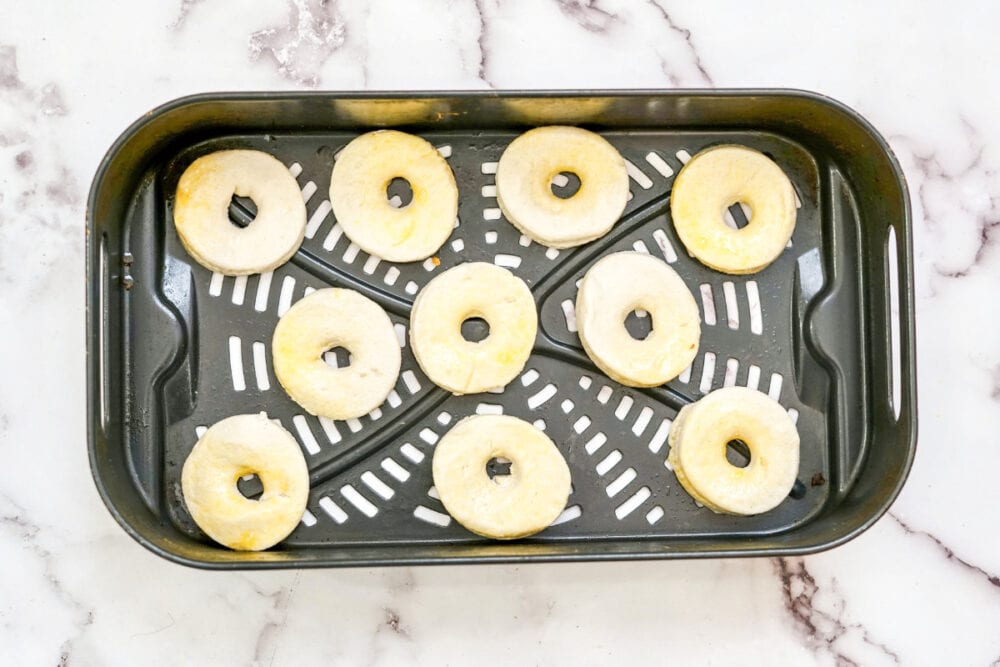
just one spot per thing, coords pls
(827, 329)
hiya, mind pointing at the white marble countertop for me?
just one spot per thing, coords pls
(921, 587)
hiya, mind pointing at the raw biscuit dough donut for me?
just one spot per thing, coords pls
(362, 173)
(715, 179)
(524, 178)
(238, 446)
(615, 286)
(201, 212)
(698, 440)
(475, 289)
(326, 319)
(522, 503)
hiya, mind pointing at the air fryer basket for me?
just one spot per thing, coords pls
(827, 329)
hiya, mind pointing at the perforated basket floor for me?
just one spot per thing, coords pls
(195, 348)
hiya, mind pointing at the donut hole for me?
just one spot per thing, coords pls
(338, 357)
(737, 453)
(498, 469)
(737, 215)
(242, 210)
(639, 324)
(475, 329)
(399, 192)
(565, 184)
(250, 486)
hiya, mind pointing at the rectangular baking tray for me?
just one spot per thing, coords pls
(827, 329)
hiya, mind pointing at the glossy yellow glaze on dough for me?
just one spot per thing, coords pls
(361, 174)
(238, 446)
(201, 212)
(715, 179)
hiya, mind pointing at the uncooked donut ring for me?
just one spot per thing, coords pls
(615, 286)
(524, 180)
(201, 212)
(476, 289)
(698, 440)
(326, 319)
(230, 449)
(715, 179)
(522, 503)
(361, 174)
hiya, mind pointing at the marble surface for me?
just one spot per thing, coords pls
(921, 587)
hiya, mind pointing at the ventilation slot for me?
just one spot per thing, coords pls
(654, 515)
(428, 515)
(707, 373)
(633, 503)
(260, 367)
(411, 382)
(330, 242)
(507, 261)
(663, 243)
(351, 253)
(732, 307)
(330, 429)
(397, 471)
(332, 510)
(411, 453)
(236, 363)
(359, 501)
(239, 290)
(372, 481)
(305, 434)
(638, 176)
(774, 390)
(623, 407)
(753, 302)
(609, 462)
(595, 443)
(660, 436)
(318, 216)
(659, 164)
(263, 290)
(623, 480)
(708, 304)
(896, 372)
(569, 312)
(732, 369)
(215, 286)
(642, 421)
(570, 513)
(537, 400)
(285, 296)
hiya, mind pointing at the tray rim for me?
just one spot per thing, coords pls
(597, 551)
